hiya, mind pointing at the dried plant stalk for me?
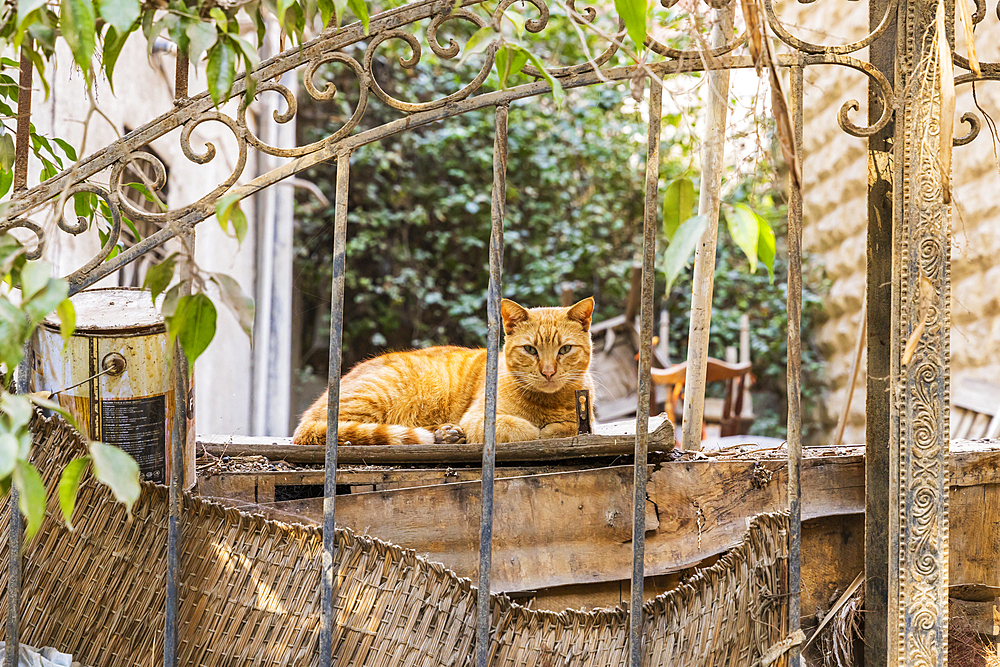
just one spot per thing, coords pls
(970, 36)
(946, 73)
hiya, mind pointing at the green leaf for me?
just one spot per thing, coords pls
(151, 197)
(69, 486)
(340, 6)
(516, 20)
(193, 322)
(557, 90)
(67, 318)
(6, 180)
(479, 42)
(131, 227)
(221, 71)
(170, 300)
(118, 471)
(113, 44)
(14, 332)
(633, 12)
(766, 247)
(254, 10)
(327, 11)
(744, 227)
(682, 246)
(32, 497)
(34, 277)
(8, 453)
(201, 37)
(678, 203)
(66, 147)
(26, 7)
(78, 24)
(36, 399)
(6, 152)
(121, 14)
(47, 300)
(360, 10)
(18, 411)
(10, 250)
(237, 301)
(251, 60)
(158, 276)
(227, 210)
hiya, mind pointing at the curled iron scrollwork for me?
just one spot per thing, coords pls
(336, 48)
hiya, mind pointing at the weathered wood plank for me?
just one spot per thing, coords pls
(574, 527)
(581, 446)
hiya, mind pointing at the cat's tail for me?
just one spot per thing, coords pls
(361, 433)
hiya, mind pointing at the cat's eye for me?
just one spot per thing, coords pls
(565, 349)
(530, 350)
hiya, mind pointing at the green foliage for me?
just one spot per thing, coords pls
(419, 224)
(682, 246)
(634, 13)
(678, 205)
(419, 218)
(736, 292)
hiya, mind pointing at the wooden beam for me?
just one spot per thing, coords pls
(553, 449)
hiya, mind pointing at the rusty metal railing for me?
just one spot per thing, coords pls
(338, 47)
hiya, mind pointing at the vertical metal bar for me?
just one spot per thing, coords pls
(649, 225)
(14, 545)
(22, 143)
(178, 437)
(794, 371)
(333, 407)
(13, 581)
(704, 255)
(20, 182)
(499, 205)
(878, 398)
(181, 70)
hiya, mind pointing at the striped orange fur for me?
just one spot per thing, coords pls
(438, 394)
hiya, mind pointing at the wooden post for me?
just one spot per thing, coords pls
(704, 255)
(921, 298)
(881, 196)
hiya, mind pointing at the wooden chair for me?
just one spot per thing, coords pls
(736, 375)
(975, 410)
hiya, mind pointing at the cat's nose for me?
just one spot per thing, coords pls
(548, 373)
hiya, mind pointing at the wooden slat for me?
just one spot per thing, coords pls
(976, 395)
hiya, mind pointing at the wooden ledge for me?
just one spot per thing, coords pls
(553, 449)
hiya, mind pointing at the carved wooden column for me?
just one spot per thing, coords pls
(918, 442)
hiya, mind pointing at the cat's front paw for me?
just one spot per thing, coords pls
(449, 434)
(558, 430)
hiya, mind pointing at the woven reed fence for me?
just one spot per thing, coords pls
(249, 594)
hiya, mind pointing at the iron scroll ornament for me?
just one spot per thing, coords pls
(331, 48)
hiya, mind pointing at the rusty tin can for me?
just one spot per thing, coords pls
(116, 378)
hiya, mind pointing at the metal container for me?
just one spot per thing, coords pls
(116, 378)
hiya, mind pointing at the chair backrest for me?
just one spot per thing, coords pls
(975, 410)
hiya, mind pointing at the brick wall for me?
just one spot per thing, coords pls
(835, 168)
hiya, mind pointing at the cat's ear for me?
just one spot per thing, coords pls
(512, 315)
(581, 312)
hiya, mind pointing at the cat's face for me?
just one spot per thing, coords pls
(547, 348)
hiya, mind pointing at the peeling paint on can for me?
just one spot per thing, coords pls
(116, 378)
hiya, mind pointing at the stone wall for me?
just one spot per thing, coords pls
(835, 166)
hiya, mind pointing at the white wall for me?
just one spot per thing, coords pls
(144, 86)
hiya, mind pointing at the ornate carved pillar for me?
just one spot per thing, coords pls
(919, 376)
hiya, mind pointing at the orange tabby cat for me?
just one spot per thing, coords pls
(437, 395)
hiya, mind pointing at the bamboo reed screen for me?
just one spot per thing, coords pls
(250, 594)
